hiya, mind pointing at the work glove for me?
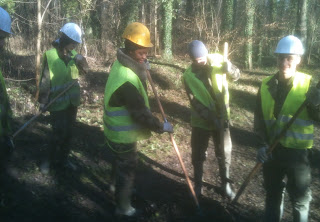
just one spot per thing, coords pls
(9, 143)
(81, 63)
(167, 127)
(313, 96)
(42, 107)
(226, 66)
(262, 155)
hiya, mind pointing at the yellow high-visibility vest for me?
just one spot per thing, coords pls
(119, 127)
(62, 76)
(300, 133)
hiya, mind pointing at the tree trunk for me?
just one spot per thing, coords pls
(167, 28)
(38, 53)
(301, 28)
(227, 22)
(248, 32)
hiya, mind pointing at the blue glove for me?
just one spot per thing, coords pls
(9, 143)
(41, 107)
(262, 155)
(167, 127)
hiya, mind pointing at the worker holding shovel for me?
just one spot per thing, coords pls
(207, 90)
(287, 166)
(127, 117)
(6, 143)
(61, 67)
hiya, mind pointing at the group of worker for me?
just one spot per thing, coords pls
(127, 118)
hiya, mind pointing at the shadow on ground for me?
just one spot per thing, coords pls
(83, 194)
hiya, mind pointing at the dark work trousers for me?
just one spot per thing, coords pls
(294, 165)
(62, 122)
(5, 152)
(125, 158)
(199, 144)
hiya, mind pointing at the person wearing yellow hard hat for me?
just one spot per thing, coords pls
(6, 143)
(127, 117)
(210, 115)
(279, 97)
(61, 68)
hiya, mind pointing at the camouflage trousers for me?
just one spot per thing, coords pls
(199, 144)
(125, 159)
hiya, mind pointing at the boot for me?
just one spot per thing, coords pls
(198, 173)
(124, 207)
(227, 191)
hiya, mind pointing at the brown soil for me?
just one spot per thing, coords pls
(160, 190)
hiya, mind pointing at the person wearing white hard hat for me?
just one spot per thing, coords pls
(61, 67)
(6, 143)
(278, 99)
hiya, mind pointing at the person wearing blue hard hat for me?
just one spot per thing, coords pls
(210, 115)
(6, 143)
(61, 68)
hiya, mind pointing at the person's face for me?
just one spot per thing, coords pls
(200, 61)
(3, 36)
(139, 55)
(287, 65)
(71, 46)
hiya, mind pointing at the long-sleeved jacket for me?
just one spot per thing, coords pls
(205, 74)
(279, 91)
(50, 74)
(127, 95)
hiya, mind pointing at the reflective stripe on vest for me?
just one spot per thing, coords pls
(61, 76)
(300, 133)
(200, 92)
(119, 127)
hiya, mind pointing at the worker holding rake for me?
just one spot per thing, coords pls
(61, 68)
(127, 118)
(287, 166)
(207, 89)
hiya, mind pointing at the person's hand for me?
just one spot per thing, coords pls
(42, 107)
(81, 63)
(9, 143)
(313, 96)
(167, 127)
(226, 66)
(262, 155)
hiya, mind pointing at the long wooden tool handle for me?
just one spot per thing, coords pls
(225, 52)
(271, 148)
(173, 141)
(44, 109)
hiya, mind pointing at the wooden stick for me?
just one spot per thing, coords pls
(173, 141)
(43, 110)
(271, 148)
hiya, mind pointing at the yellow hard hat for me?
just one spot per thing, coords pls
(138, 34)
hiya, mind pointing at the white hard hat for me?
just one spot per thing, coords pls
(5, 21)
(290, 45)
(73, 31)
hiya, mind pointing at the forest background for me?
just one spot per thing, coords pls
(251, 27)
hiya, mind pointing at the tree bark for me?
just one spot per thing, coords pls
(167, 28)
(248, 32)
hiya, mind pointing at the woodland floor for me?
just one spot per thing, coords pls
(160, 189)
